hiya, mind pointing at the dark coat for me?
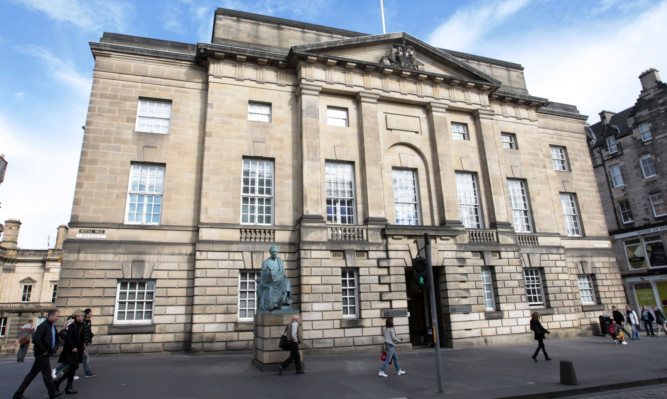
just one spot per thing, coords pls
(537, 328)
(659, 317)
(87, 332)
(618, 317)
(73, 339)
(42, 339)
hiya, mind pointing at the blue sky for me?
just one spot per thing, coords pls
(584, 52)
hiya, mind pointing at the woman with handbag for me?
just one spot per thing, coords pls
(389, 342)
(72, 354)
(539, 331)
(24, 340)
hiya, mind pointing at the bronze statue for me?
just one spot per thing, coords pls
(273, 289)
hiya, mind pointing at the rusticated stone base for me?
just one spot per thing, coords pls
(268, 329)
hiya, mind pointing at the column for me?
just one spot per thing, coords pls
(311, 179)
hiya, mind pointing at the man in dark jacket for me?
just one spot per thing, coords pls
(87, 340)
(619, 319)
(45, 343)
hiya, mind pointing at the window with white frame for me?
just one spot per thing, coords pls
(257, 192)
(634, 253)
(247, 295)
(3, 326)
(612, 147)
(135, 301)
(534, 289)
(468, 197)
(26, 293)
(509, 141)
(559, 158)
(144, 194)
(487, 285)
(648, 168)
(571, 214)
(339, 182)
(153, 116)
(460, 131)
(519, 205)
(625, 211)
(406, 205)
(350, 293)
(259, 112)
(645, 132)
(586, 289)
(616, 176)
(655, 250)
(337, 116)
(54, 293)
(658, 204)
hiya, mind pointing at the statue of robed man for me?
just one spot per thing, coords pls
(274, 290)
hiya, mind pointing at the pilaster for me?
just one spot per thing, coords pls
(309, 116)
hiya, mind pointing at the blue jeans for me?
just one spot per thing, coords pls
(391, 354)
(86, 366)
(635, 333)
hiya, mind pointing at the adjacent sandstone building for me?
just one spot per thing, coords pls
(342, 149)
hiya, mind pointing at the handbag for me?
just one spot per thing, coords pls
(283, 341)
(24, 340)
(383, 357)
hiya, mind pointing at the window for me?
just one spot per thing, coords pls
(153, 116)
(144, 194)
(586, 289)
(646, 163)
(571, 213)
(559, 158)
(27, 290)
(645, 132)
(405, 197)
(509, 141)
(658, 204)
(257, 192)
(487, 285)
(655, 251)
(625, 211)
(247, 295)
(634, 252)
(339, 180)
(616, 175)
(466, 191)
(612, 147)
(54, 293)
(337, 116)
(135, 301)
(350, 293)
(3, 326)
(534, 289)
(259, 112)
(519, 205)
(460, 131)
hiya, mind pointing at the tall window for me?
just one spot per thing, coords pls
(616, 175)
(586, 289)
(135, 301)
(658, 204)
(406, 203)
(247, 295)
(625, 211)
(519, 204)
(612, 147)
(534, 289)
(153, 116)
(54, 293)
(571, 214)
(27, 291)
(350, 293)
(3, 326)
(337, 116)
(257, 192)
(559, 158)
(509, 141)
(645, 132)
(646, 163)
(259, 112)
(339, 181)
(487, 285)
(460, 131)
(144, 194)
(468, 197)
(655, 251)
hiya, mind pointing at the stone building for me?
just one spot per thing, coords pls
(627, 150)
(343, 149)
(28, 283)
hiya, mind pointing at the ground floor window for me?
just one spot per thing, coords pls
(487, 285)
(247, 295)
(135, 301)
(534, 289)
(644, 252)
(3, 326)
(350, 293)
(586, 289)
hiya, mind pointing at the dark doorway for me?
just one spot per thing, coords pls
(421, 331)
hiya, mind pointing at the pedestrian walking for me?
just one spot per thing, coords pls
(45, 343)
(389, 342)
(73, 349)
(615, 333)
(25, 335)
(647, 318)
(659, 320)
(539, 332)
(619, 319)
(293, 339)
(633, 320)
(87, 341)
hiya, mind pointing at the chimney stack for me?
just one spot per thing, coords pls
(649, 78)
(10, 238)
(605, 116)
(62, 234)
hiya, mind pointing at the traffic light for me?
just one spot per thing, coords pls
(419, 270)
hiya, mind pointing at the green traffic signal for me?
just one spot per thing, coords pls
(419, 268)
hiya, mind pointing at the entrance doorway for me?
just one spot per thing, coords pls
(421, 328)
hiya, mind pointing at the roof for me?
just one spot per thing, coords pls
(619, 121)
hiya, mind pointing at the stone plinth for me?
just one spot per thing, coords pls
(269, 326)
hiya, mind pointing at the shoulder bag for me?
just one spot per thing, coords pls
(283, 341)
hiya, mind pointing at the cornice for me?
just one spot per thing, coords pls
(98, 48)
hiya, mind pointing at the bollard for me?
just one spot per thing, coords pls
(567, 374)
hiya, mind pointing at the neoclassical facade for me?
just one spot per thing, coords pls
(343, 149)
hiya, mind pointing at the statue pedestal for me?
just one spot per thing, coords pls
(269, 326)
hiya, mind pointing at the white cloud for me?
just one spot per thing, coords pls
(90, 15)
(19, 96)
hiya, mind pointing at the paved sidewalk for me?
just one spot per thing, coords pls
(490, 372)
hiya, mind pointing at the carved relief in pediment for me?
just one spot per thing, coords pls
(403, 56)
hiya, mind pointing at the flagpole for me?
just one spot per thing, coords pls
(384, 29)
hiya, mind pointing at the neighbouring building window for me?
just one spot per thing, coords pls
(135, 301)
(648, 168)
(153, 116)
(534, 289)
(339, 181)
(259, 112)
(257, 192)
(586, 289)
(144, 194)
(612, 147)
(655, 251)
(616, 175)
(27, 291)
(337, 116)
(625, 211)
(634, 252)
(658, 204)
(571, 214)
(247, 295)
(559, 158)
(3, 326)
(350, 293)
(519, 205)
(468, 198)
(54, 293)
(460, 131)
(509, 141)
(487, 285)
(406, 203)
(645, 132)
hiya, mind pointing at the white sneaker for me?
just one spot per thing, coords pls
(624, 343)
(382, 374)
(76, 377)
(53, 374)
(400, 372)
